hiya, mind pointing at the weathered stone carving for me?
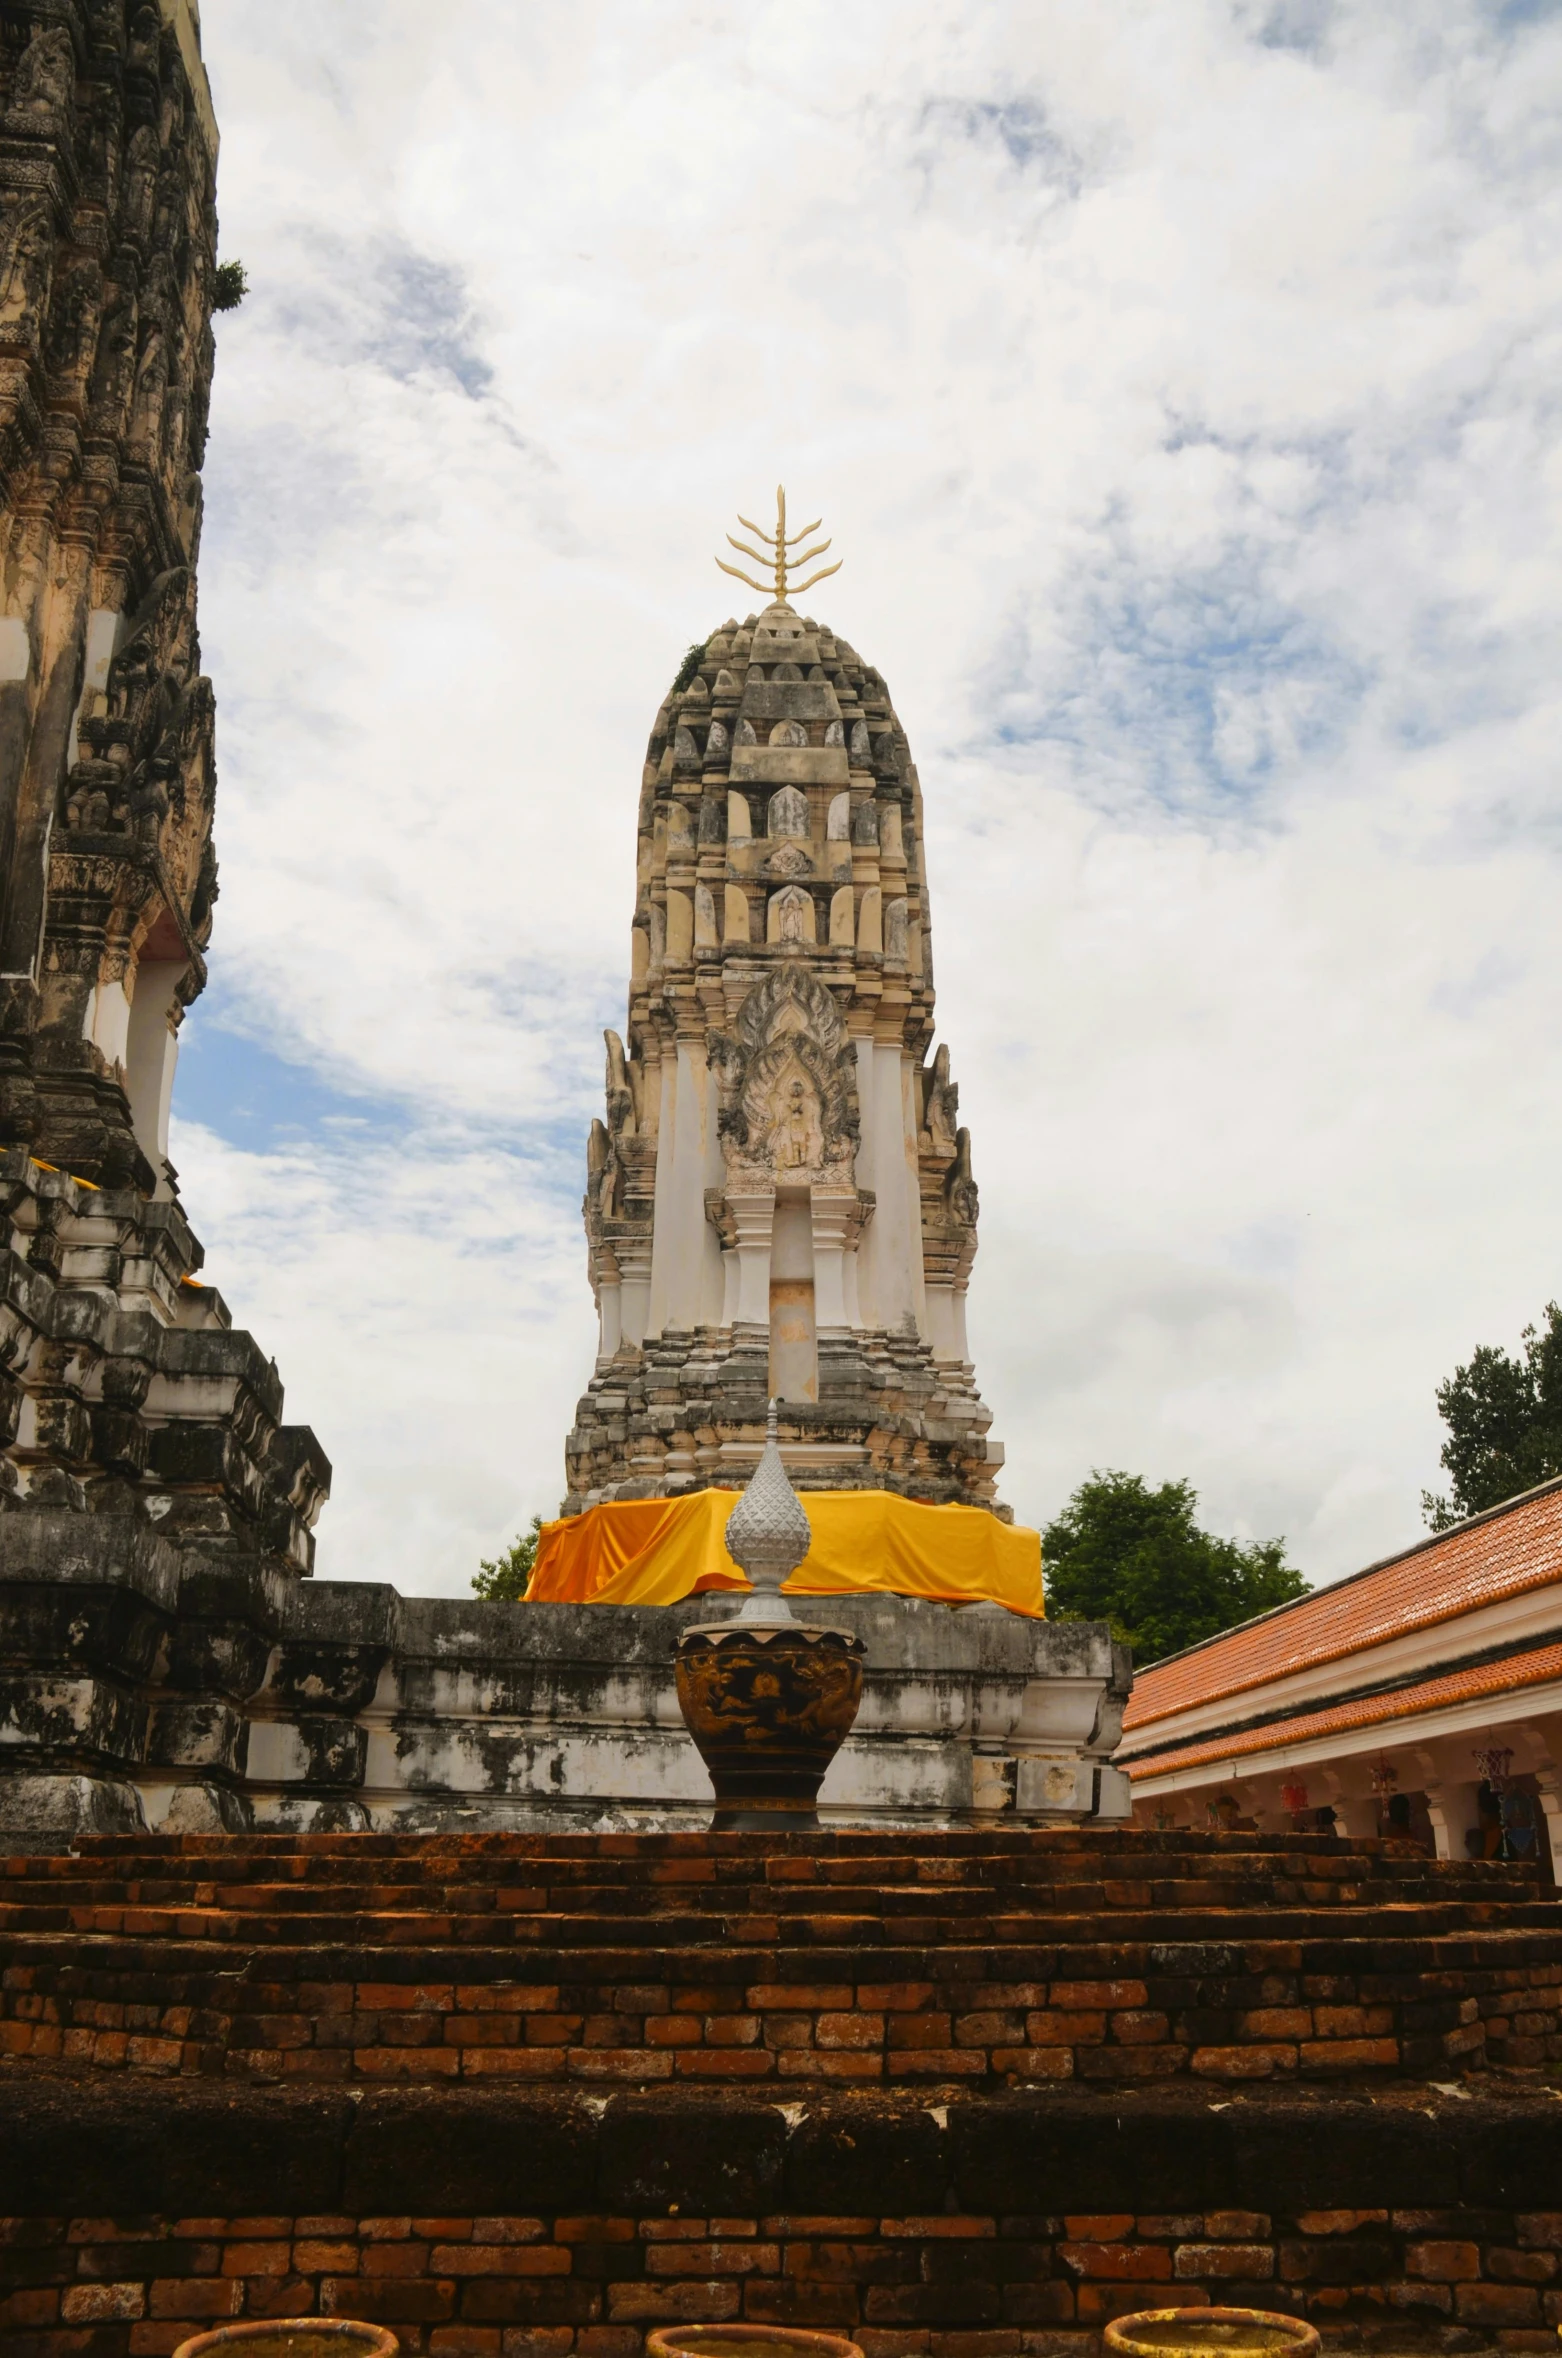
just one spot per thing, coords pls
(154, 1508)
(787, 1082)
(44, 82)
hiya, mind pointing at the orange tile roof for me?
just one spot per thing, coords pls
(1457, 1686)
(1500, 1554)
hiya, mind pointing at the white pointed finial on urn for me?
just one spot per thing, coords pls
(768, 1535)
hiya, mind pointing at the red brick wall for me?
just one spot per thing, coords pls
(951, 2286)
(1263, 2016)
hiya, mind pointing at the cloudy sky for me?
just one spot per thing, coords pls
(1179, 379)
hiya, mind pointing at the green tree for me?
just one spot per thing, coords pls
(503, 1582)
(1124, 1553)
(1504, 1419)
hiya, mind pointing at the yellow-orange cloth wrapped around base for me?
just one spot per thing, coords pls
(654, 1551)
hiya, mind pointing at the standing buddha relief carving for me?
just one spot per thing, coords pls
(787, 1082)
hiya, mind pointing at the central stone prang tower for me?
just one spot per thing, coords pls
(779, 1200)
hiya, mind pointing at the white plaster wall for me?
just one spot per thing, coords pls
(151, 1053)
(16, 654)
(103, 629)
(107, 1021)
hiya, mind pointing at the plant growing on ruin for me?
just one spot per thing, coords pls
(230, 286)
(503, 1580)
(1136, 1557)
(1504, 1419)
(693, 658)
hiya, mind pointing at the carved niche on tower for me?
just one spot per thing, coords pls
(787, 1082)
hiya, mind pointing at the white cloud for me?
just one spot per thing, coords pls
(1179, 385)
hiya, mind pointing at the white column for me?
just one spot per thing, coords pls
(832, 1216)
(686, 1282)
(910, 1163)
(634, 1263)
(941, 1322)
(753, 1217)
(890, 1256)
(610, 1303)
(1439, 1809)
(867, 1176)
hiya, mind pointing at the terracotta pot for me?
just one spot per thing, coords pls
(746, 2341)
(768, 1706)
(1211, 2333)
(293, 2337)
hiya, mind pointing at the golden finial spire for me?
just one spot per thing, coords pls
(777, 550)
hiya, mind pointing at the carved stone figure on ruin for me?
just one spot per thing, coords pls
(114, 370)
(792, 912)
(171, 117)
(604, 1177)
(943, 1101)
(97, 150)
(168, 212)
(44, 84)
(796, 1140)
(73, 323)
(94, 797)
(142, 47)
(204, 894)
(788, 812)
(620, 1096)
(146, 411)
(140, 186)
(176, 422)
(960, 1188)
(787, 1079)
(26, 266)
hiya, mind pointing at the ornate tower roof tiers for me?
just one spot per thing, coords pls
(779, 1199)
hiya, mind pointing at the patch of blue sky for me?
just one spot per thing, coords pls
(1510, 14)
(383, 301)
(262, 1102)
(249, 1096)
(1020, 126)
(1295, 24)
(1210, 689)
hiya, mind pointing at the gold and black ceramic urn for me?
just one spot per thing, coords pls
(768, 1702)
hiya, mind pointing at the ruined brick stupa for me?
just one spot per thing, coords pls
(779, 1200)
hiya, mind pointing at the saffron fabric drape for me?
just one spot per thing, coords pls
(654, 1551)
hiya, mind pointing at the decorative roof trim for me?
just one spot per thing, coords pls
(1537, 1668)
(1138, 1716)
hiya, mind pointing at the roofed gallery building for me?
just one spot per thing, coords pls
(1421, 1696)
